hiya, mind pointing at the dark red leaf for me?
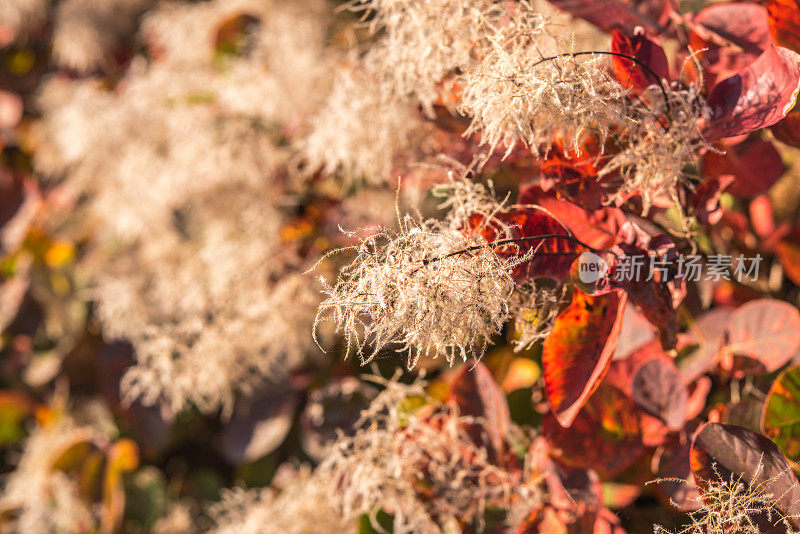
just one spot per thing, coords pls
(578, 351)
(708, 333)
(653, 382)
(758, 96)
(655, 296)
(698, 395)
(636, 332)
(477, 394)
(675, 481)
(705, 199)
(762, 217)
(596, 227)
(722, 452)
(647, 51)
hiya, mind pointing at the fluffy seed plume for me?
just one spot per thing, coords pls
(428, 289)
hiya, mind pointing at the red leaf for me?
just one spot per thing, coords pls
(636, 331)
(708, 332)
(673, 469)
(762, 217)
(644, 49)
(657, 297)
(578, 351)
(653, 382)
(596, 227)
(784, 23)
(758, 96)
(755, 165)
(477, 395)
(720, 452)
(698, 395)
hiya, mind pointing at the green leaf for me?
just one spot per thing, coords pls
(780, 418)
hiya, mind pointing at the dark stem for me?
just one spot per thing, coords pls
(616, 54)
(511, 240)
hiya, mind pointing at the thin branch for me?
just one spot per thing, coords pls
(512, 240)
(616, 54)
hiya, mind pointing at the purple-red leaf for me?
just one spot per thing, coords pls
(764, 330)
(605, 435)
(708, 332)
(657, 388)
(787, 130)
(741, 23)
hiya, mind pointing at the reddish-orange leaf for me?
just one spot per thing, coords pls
(645, 50)
(578, 351)
(784, 22)
(789, 255)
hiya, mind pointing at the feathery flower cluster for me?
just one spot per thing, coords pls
(424, 42)
(514, 94)
(359, 132)
(428, 289)
(518, 79)
(19, 15)
(734, 505)
(409, 289)
(301, 502)
(41, 497)
(180, 166)
(660, 141)
(87, 32)
(395, 454)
